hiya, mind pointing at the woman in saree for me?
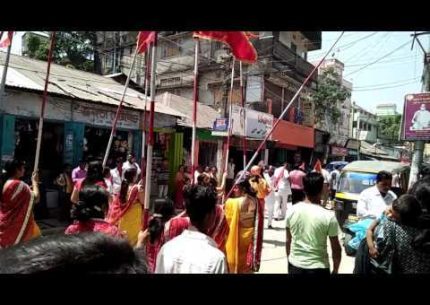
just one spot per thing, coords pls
(242, 218)
(94, 176)
(180, 181)
(126, 209)
(89, 213)
(17, 222)
(219, 229)
(153, 238)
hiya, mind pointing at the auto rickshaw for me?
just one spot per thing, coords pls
(355, 178)
(358, 176)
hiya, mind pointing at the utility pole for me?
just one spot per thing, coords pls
(417, 158)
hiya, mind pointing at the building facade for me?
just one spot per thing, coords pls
(269, 84)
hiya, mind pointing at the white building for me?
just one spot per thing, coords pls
(364, 124)
(386, 109)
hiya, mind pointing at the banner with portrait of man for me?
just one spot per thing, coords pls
(416, 117)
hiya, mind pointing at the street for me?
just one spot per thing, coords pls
(274, 259)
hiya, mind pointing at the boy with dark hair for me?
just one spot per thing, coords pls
(194, 251)
(308, 227)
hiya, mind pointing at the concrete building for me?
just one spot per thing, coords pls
(364, 124)
(337, 134)
(270, 83)
(386, 109)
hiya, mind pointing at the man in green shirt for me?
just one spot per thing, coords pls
(308, 227)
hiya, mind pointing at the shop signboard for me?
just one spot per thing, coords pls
(103, 116)
(339, 151)
(250, 123)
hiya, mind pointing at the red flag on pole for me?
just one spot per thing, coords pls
(7, 41)
(238, 41)
(144, 39)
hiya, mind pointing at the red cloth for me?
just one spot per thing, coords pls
(175, 226)
(318, 166)
(144, 39)
(179, 195)
(93, 225)
(16, 199)
(220, 228)
(238, 41)
(117, 209)
(218, 231)
(7, 41)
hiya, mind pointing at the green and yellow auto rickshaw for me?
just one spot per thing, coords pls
(360, 175)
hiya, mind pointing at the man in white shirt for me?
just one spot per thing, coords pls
(194, 251)
(282, 191)
(230, 174)
(270, 198)
(334, 179)
(197, 173)
(116, 174)
(131, 161)
(374, 200)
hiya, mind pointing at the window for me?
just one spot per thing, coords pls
(354, 124)
(172, 81)
(171, 49)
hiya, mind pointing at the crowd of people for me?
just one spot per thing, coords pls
(202, 230)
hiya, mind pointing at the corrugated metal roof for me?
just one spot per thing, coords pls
(206, 115)
(28, 73)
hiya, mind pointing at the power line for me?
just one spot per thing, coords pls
(387, 87)
(379, 59)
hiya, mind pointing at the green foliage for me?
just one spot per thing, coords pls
(71, 48)
(329, 95)
(389, 127)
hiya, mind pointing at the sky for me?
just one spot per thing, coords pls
(395, 74)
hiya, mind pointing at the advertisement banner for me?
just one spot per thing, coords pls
(416, 117)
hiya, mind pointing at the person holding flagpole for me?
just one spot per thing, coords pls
(17, 199)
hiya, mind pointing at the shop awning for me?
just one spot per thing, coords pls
(206, 115)
(293, 134)
(371, 150)
(30, 74)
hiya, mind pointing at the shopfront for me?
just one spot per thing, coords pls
(292, 139)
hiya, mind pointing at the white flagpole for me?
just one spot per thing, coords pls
(45, 97)
(151, 131)
(196, 97)
(118, 110)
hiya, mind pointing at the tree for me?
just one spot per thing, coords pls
(329, 95)
(389, 127)
(75, 49)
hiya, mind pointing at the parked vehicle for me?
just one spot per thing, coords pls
(331, 166)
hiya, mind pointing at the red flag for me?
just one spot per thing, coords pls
(238, 41)
(7, 41)
(144, 38)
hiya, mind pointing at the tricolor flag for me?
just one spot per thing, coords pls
(144, 39)
(238, 41)
(7, 41)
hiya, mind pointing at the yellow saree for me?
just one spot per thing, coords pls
(239, 238)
